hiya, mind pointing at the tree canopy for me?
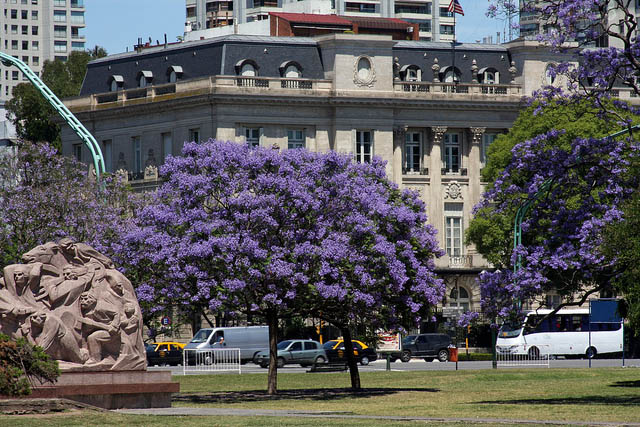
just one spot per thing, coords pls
(271, 234)
(30, 112)
(45, 196)
(579, 184)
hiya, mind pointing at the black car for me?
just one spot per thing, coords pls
(164, 353)
(336, 354)
(428, 346)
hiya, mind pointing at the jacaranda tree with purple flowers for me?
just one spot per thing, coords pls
(579, 192)
(576, 192)
(376, 255)
(272, 233)
(45, 196)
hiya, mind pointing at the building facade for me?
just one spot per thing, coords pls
(36, 31)
(433, 18)
(427, 110)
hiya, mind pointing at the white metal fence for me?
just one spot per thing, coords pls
(211, 360)
(535, 356)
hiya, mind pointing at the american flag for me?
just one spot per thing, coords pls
(455, 7)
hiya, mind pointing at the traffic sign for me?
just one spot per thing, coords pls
(166, 321)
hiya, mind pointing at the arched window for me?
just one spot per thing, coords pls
(488, 76)
(247, 67)
(144, 78)
(549, 74)
(248, 70)
(115, 83)
(450, 75)
(174, 73)
(290, 69)
(459, 297)
(410, 73)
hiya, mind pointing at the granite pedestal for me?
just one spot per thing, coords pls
(113, 389)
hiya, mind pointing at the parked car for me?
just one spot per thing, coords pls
(304, 352)
(428, 346)
(164, 353)
(363, 353)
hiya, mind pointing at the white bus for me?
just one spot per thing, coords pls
(564, 333)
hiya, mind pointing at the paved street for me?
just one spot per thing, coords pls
(421, 365)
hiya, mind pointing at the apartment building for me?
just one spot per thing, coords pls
(35, 31)
(433, 18)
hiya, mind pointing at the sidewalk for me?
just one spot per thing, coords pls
(217, 412)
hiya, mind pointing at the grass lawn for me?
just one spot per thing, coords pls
(597, 394)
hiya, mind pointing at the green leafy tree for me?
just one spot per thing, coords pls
(22, 364)
(622, 244)
(31, 113)
(491, 232)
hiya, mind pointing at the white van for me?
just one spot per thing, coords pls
(251, 340)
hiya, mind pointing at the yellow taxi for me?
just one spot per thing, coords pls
(164, 353)
(336, 354)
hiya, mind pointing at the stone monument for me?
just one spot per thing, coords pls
(70, 300)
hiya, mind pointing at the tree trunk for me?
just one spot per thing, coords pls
(272, 321)
(351, 360)
(196, 322)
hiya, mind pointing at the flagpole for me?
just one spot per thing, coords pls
(453, 49)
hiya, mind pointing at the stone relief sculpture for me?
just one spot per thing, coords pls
(69, 299)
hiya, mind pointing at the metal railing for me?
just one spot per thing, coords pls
(538, 355)
(211, 360)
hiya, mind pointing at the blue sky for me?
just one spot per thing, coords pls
(117, 24)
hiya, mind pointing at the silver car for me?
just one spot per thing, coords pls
(304, 352)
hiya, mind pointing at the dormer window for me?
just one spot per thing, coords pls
(247, 68)
(144, 78)
(488, 76)
(174, 73)
(451, 75)
(411, 73)
(115, 83)
(290, 69)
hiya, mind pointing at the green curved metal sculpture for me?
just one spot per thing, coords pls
(72, 121)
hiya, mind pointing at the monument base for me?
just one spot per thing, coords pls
(113, 389)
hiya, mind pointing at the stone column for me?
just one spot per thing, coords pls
(399, 135)
(436, 148)
(476, 144)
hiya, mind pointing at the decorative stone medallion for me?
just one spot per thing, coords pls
(453, 191)
(364, 74)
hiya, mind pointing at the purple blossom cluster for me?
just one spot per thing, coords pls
(578, 190)
(575, 192)
(45, 196)
(268, 231)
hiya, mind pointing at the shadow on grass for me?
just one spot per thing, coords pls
(585, 400)
(626, 384)
(315, 394)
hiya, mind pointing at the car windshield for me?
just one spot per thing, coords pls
(508, 330)
(409, 338)
(329, 345)
(283, 344)
(201, 336)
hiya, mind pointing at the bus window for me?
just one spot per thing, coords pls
(576, 323)
(509, 331)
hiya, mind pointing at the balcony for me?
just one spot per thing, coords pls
(434, 88)
(462, 261)
(229, 85)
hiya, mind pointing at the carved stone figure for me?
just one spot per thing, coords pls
(69, 299)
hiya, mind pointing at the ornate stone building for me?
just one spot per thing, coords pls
(429, 111)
